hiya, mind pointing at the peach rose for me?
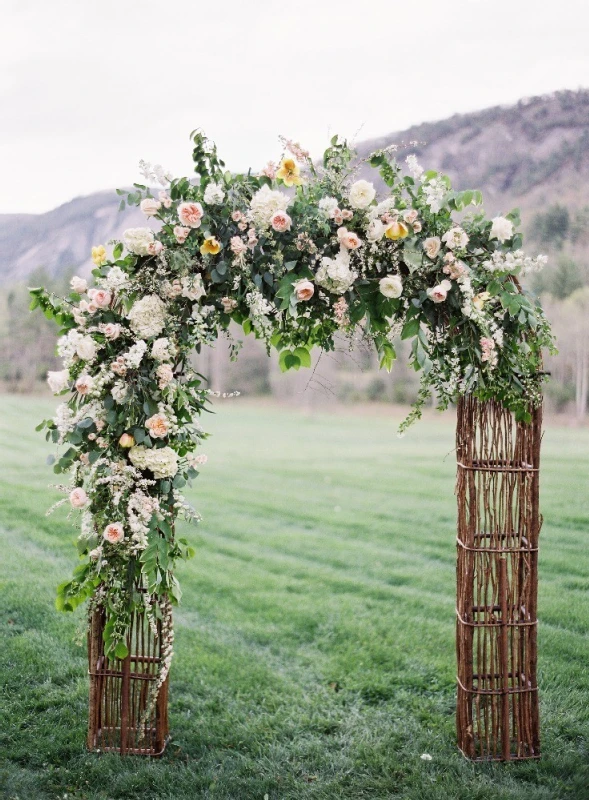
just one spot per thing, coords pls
(112, 330)
(181, 233)
(229, 304)
(84, 384)
(348, 239)
(190, 214)
(280, 221)
(303, 289)
(158, 426)
(78, 498)
(114, 533)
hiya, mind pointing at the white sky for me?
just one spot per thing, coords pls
(88, 87)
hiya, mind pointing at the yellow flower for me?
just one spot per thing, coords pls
(210, 245)
(480, 299)
(289, 172)
(99, 255)
(397, 230)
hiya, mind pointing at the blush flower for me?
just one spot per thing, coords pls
(113, 533)
(150, 206)
(190, 214)
(348, 239)
(181, 233)
(84, 385)
(280, 221)
(78, 498)
(78, 284)
(158, 426)
(432, 247)
(439, 293)
(303, 289)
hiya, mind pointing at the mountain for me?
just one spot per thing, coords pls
(532, 155)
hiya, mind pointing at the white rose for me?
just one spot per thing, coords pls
(137, 240)
(78, 284)
(150, 206)
(391, 286)
(58, 380)
(375, 230)
(501, 229)
(362, 193)
(214, 194)
(432, 246)
(455, 238)
(86, 348)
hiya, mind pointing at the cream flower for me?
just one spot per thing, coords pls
(214, 194)
(147, 317)
(455, 238)
(58, 381)
(391, 286)
(150, 206)
(163, 461)
(303, 289)
(362, 193)
(501, 229)
(78, 284)
(137, 240)
(158, 426)
(86, 348)
(432, 246)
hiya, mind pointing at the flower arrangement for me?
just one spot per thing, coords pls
(299, 255)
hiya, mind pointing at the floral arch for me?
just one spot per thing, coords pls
(297, 255)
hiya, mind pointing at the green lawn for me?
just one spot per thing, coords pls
(315, 643)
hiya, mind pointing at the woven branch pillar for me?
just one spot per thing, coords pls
(120, 690)
(497, 582)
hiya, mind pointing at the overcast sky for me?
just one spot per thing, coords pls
(88, 88)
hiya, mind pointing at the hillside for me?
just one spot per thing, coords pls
(530, 155)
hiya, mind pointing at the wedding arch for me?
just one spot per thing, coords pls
(298, 255)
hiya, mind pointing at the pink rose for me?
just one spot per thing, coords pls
(119, 367)
(112, 330)
(337, 215)
(439, 293)
(181, 233)
(155, 248)
(78, 498)
(303, 289)
(348, 239)
(84, 384)
(190, 214)
(242, 225)
(100, 297)
(280, 221)
(236, 216)
(150, 206)
(347, 214)
(114, 533)
(165, 199)
(237, 245)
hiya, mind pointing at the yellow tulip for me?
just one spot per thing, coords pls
(99, 255)
(289, 172)
(397, 230)
(211, 245)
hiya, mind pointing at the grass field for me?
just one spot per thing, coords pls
(315, 643)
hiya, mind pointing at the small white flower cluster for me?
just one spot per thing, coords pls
(260, 308)
(516, 262)
(140, 509)
(155, 173)
(214, 194)
(115, 280)
(435, 191)
(134, 355)
(415, 169)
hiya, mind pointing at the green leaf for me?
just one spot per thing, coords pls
(303, 355)
(410, 328)
(121, 650)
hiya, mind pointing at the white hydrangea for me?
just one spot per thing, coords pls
(265, 203)
(214, 194)
(147, 317)
(162, 461)
(335, 274)
(163, 350)
(137, 240)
